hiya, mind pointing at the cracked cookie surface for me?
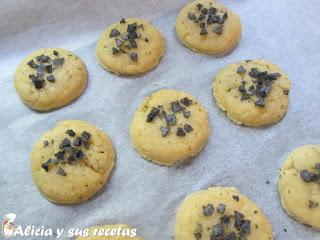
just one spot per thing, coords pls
(238, 91)
(169, 126)
(220, 213)
(78, 173)
(49, 83)
(299, 198)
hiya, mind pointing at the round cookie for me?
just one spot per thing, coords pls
(50, 78)
(111, 232)
(253, 92)
(131, 46)
(220, 213)
(299, 185)
(169, 126)
(206, 26)
(71, 162)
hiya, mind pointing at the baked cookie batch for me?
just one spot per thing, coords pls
(72, 161)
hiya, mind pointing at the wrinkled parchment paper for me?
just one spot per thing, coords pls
(140, 193)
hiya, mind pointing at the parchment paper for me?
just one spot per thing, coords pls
(140, 193)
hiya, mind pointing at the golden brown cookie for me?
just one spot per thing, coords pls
(50, 78)
(71, 162)
(252, 92)
(299, 185)
(206, 26)
(220, 213)
(131, 46)
(169, 126)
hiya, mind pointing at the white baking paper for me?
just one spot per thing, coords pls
(140, 193)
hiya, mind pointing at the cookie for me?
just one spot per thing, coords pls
(299, 185)
(169, 126)
(71, 162)
(206, 26)
(129, 47)
(111, 232)
(253, 92)
(50, 78)
(220, 213)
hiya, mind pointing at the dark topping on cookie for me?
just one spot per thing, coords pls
(313, 204)
(115, 51)
(152, 114)
(70, 152)
(308, 176)
(61, 172)
(171, 119)
(231, 236)
(42, 58)
(133, 44)
(198, 232)
(48, 68)
(114, 33)
(203, 31)
(199, 6)
(186, 101)
(205, 17)
(225, 219)
(77, 142)
(164, 131)
(260, 102)
(128, 40)
(262, 85)
(217, 231)
(186, 114)
(45, 65)
(60, 155)
(119, 42)
(192, 16)
(65, 144)
(176, 107)
(85, 136)
(58, 62)
(180, 132)
(79, 154)
(221, 208)
(245, 227)
(241, 70)
(45, 143)
(45, 166)
(32, 64)
(133, 56)
(51, 78)
(70, 132)
(236, 197)
(188, 128)
(286, 92)
(208, 210)
(218, 29)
